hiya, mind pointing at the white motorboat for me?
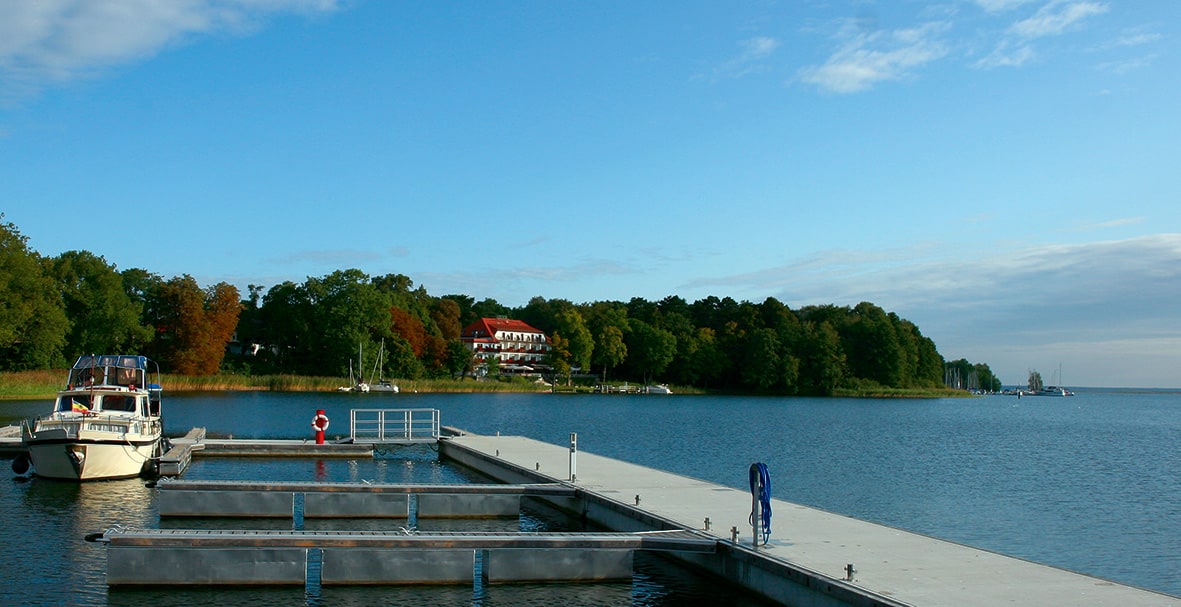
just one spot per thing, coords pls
(106, 423)
(657, 389)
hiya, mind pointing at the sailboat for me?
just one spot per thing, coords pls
(382, 385)
(1054, 390)
(358, 384)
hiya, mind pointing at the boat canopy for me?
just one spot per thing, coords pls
(109, 370)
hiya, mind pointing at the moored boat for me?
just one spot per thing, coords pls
(106, 424)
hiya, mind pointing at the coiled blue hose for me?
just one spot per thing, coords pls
(760, 490)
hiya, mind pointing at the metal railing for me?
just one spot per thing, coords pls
(394, 425)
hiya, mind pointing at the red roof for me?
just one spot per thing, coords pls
(487, 327)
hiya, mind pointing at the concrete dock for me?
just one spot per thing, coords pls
(806, 561)
(236, 499)
(189, 557)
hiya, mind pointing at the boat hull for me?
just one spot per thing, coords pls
(96, 459)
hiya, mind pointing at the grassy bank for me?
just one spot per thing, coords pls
(30, 384)
(880, 392)
(45, 384)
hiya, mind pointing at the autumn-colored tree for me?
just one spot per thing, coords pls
(197, 325)
(406, 326)
(435, 356)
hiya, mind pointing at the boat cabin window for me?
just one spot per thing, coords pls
(74, 402)
(118, 403)
(127, 377)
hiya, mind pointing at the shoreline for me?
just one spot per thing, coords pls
(34, 385)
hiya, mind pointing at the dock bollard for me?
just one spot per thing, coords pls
(573, 456)
(849, 571)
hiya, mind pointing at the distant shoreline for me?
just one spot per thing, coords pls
(33, 385)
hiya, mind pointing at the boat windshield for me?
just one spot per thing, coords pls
(79, 403)
(118, 402)
(109, 370)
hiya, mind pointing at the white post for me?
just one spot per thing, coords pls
(573, 456)
(756, 515)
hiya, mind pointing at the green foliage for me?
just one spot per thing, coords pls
(650, 349)
(963, 375)
(33, 322)
(104, 318)
(321, 327)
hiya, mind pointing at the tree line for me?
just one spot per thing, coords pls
(52, 309)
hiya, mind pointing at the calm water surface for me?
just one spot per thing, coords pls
(1088, 483)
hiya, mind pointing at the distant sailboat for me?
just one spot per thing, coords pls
(381, 385)
(1055, 390)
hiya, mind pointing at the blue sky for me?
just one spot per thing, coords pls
(1004, 173)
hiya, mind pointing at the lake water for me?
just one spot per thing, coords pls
(1088, 483)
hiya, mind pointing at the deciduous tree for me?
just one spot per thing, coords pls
(103, 319)
(33, 322)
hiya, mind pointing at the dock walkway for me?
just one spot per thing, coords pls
(891, 566)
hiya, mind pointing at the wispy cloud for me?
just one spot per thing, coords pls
(1124, 66)
(868, 58)
(1055, 18)
(1000, 6)
(1114, 223)
(1080, 294)
(754, 51)
(51, 41)
(1137, 38)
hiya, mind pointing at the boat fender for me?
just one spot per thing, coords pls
(21, 464)
(320, 422)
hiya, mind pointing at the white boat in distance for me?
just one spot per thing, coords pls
(381, 385)
(657, 389)
(106, 424)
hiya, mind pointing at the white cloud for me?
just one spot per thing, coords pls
(1006, 55)
(1052, 19)
(1000, 6)
(1026, 302)
(1114, 223)
(754, 51)
(866, 59)
(1127, 65)
(58, 40)
(758, 47)
(1055, 18)
(1137, 38)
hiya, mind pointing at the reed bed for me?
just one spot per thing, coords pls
(25, 384)
(44, 384)
(880, 392)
